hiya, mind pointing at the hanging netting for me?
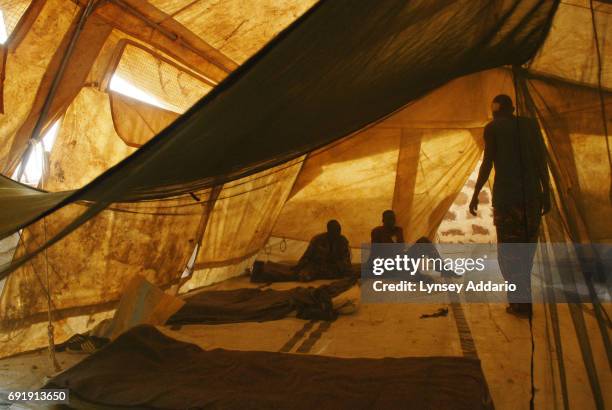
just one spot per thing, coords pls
(327, 121)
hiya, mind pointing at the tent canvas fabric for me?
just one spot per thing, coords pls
(324, 121)
(308, 51)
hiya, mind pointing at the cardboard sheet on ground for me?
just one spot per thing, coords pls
(141, 303)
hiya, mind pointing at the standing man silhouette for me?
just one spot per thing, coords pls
(521, 194)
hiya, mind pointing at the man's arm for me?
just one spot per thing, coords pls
(485, 168)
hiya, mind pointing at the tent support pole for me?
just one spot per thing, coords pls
(207, 209)
(35, 137)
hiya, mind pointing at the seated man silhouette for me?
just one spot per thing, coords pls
(389, 232)
(328, 256)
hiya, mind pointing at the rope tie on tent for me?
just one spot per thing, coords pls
(50, 335)
(50, 327)
(46, 287)
(282, 247)
(34, 140)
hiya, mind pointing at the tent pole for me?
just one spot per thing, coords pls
(207, 208)
(26, 157)
(54, 85)
(128, 8)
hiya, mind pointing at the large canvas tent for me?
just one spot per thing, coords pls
(253, 123)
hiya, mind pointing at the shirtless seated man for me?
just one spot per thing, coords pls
(328, 256)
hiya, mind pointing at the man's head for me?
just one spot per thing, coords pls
(334, 228)
(388, 219)
(502, 104)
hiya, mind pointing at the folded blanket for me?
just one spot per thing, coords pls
(143, 368)
(258, 305)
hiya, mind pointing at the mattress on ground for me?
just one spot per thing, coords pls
(147, 369)
(258, 305)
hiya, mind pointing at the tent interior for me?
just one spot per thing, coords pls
(178, 141)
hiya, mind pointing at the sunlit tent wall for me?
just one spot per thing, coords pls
(415, 162)
(324, 122)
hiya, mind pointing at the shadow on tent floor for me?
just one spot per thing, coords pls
(374, 331)
(502, 342)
